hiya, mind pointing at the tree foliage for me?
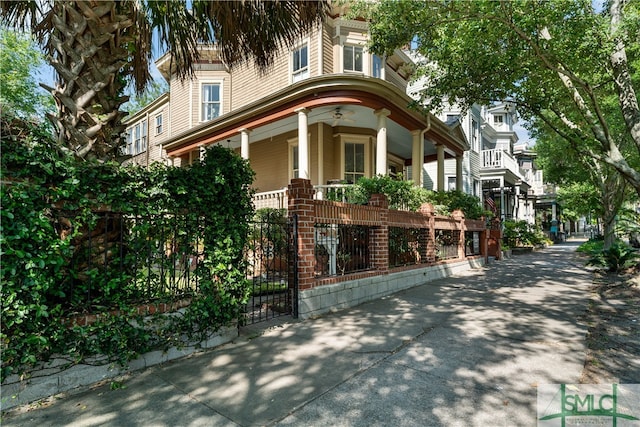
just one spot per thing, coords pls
(98, 48)
(19, 62)
(565, 63)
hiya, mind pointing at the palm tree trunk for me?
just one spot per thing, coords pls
(87, 48)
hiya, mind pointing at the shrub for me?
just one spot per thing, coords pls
(616, 258)
(521, 233)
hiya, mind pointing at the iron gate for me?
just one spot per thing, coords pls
(271, 259)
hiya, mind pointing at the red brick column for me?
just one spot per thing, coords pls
(428, 211)
(379, 236)
(458, 216)
(300, 194)
(484, 242)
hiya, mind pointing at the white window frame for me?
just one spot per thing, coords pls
(355, 139)
(300, 73)
(159, 124)
(202, 102)
(352, 47)
(293, 157)
(498, 119)
(475, 135)
(137, 135)
(144, 133)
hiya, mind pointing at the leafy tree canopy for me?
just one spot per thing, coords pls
(20, 59)
(563, 63)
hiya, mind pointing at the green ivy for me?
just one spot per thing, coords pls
(50, 202)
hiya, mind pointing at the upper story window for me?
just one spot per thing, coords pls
(352, 58)
(377, 66)
(475, 135)
(143, 139)
(137, 139)
(300, 63)
(210, 104)
(159, 128)
(498, 119)
(129, 142)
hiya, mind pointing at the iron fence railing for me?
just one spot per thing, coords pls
(341, 249)
(407, 246)
(447, 242)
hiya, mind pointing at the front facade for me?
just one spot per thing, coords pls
(328, 111)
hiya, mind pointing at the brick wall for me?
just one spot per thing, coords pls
(322, 294)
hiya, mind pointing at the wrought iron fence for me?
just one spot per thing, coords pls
(115, 258)
(267, 256)
(407, 246)
(471, 243)
(341, 249)
(447, 244)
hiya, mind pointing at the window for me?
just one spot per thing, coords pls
(159, 124)
(129, 142)
(498, 119)
(300, 63)
(354, 160)
(451, 183)
(377, 66)
(295, 167)
(210, 101)
(143, 143)
(136, 136)
(475, 132)
(352, 58)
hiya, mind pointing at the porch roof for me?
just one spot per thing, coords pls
(357, 94)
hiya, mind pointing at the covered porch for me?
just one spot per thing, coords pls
(330, 129)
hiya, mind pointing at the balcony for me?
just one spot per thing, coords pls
(499, 159)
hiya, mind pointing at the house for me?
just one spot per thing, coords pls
(328, 110)
(490, 169)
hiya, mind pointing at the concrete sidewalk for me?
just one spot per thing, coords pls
(468, 350)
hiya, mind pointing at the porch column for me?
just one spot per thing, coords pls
(440, 181)
(303, 143)
(417, 156)
(459, 159)
(381, 141)
(244, 145)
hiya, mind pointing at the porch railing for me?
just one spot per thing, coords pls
(500, 159)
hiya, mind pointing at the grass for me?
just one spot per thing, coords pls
(269, 288)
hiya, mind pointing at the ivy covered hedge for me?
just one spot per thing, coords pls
(51, 204)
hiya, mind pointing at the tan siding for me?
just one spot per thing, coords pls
(327, 45)
(179, 112)
(269, 158)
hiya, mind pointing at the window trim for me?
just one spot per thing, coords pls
(159, 116)
(303, 72)
(201, 103)
(353, 46)
(355, 139)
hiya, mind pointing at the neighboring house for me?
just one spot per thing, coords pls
(489, 168)
(328, 111)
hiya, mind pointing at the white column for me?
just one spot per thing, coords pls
(417, 157)
(303, 142)
(440, 180)
(381, 141)
(459, 158)
(244, 146)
